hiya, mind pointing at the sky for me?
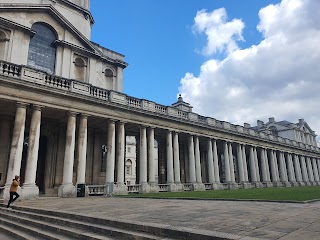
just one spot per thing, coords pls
(236, 61)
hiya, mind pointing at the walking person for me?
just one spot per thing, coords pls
(13, 190)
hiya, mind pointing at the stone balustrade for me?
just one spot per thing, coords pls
(74, 86)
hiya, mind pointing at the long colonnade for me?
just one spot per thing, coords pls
(190, 161)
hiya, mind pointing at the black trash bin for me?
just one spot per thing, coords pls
(81, 190)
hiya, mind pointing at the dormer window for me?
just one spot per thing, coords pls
(273, 130)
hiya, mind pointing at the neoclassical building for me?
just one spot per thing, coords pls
(64, 120)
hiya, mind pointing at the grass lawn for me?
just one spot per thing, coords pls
(276, 194)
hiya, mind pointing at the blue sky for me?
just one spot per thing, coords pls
(236, 61)
(157, 39)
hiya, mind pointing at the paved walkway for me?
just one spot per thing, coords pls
(265, 220)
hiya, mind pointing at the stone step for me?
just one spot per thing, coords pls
(49, 227)
(24, 232)
(72, 227)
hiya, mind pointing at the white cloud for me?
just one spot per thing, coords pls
(278, 78)
(221, 35)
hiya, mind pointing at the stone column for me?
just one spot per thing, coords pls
(256, 163)
(151, 169)
(291, 176)
(176, 159)
(210, 162)
(197, 160)
(111, 155)
(5, 131)
(245, 165)
(253, 171)
(16, 145)
(315, 171)
(267, 166)
(143, 160)
(226, 163)
(233, 179)
(283, 170)
(310, 171)
(264, 166)
(170, 177)
(304, 171)
(67, 188)
(30, 189)
(216, 163)
(121, 148)
(240, 164)
(297, 169)
(272, 167)
(192, 166)
(82, 149)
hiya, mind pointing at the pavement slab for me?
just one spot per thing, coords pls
(261, 220)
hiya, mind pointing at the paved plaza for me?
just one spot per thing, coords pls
(262, 220)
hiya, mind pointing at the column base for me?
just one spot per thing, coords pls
(246, 185)
(197, 187)
(120, 189)
(268, 184)
(233, 185)
(179, 187)
(144, 188)
(153, 187)
(109, 189)
(29, 191)
(67, 190)
(277, 184)
(172, 187)
(307, 183)
(217, 186)
(301, 184)
(294, 184)
(286, 184)
(257, 184)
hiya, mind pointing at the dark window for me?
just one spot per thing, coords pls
(42, 52)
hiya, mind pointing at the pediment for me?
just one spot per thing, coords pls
(306, 128)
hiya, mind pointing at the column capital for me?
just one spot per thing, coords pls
(71, 113)
(110, 120)
(85, 115)
(37, 107)
(22, 104)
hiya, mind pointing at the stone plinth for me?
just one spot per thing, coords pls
(67, 190)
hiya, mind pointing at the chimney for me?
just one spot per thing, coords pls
(271, 120)
(301, 121)
(260, 123)
(247, 125)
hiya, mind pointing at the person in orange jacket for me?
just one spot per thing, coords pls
(13, 190)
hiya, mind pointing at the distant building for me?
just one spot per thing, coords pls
(299, 132)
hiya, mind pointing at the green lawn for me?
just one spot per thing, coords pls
(276, 194)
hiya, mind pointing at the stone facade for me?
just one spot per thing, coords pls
(299, 132)
(66, 125)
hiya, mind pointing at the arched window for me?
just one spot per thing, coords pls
(3, 44)
(42, 52)
(80, 68)
(108, 75)
(128, 167)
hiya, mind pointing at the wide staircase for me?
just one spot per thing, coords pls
(32, 224)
